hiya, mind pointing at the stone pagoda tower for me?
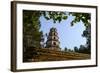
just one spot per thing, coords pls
(53, 40)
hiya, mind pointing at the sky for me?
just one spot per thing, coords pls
(69, 36)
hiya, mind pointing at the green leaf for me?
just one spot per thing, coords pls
(59, 20)
(47, 18)
(72, 23)
(65, 17)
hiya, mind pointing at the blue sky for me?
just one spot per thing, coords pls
(68, 36)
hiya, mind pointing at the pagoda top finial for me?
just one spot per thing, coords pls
(53, 29)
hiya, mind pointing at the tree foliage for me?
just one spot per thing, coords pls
(31, 26)
(82, 49)
(76, 49)
(65, 49)
(84, 17)
(54, 15)
(87, 35)
(59, 16)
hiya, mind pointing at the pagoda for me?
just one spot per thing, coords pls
(53, 40)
